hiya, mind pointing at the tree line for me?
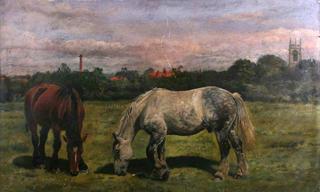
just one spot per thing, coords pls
(269, 79)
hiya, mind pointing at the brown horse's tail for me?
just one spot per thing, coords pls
(30, 98)
(244, 125)
(27, 112)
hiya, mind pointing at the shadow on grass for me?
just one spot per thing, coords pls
(25, 162)
(142, 167)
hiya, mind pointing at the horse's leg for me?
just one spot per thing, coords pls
(156, 154)
(35, 142)
(155, 150)
(224, 152)
(241, 159)
(150, 151)
(161, 155)
(56, 146)
(83, 167)
(43, 138)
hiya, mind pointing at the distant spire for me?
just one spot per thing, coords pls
(290, 42)
(80, 63)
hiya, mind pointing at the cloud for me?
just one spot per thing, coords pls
(209, 52)
(39, 35)
(238, 17)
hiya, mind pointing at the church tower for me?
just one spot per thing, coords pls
(294, 53)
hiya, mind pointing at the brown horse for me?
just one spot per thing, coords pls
(59, 108)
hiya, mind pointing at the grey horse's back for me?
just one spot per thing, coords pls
(188, 112)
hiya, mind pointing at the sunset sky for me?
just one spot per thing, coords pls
(39, 35)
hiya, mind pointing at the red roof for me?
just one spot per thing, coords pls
(164, 73)
(116, 78)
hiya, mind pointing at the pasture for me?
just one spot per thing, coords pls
(286, 157)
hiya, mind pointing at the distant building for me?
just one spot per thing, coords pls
(294, 53)
(117, 78)
(80, 64)
(163, 74)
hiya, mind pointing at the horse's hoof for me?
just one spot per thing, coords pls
(42, 166)
(53, 168)
(141, 175)
(39, 165)
(73, 174)
(239, 176)
(218, 177)
(84, 171)
(160, 175)
(83, 167)
(165, 176)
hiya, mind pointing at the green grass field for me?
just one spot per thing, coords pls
(286, 157)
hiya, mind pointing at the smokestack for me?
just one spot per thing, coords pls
(80, 64)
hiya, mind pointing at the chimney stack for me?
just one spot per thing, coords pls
(80, 64)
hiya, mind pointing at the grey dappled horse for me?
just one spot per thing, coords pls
(161, 112)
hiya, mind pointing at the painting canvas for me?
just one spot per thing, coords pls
(159, 95)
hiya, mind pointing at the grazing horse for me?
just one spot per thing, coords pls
(161, 112)
(58, 108)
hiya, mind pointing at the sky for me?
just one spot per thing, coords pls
(39, 35)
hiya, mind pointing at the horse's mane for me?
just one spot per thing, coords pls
(131, 113)
(68, 97)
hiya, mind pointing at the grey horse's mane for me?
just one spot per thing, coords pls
(131, 113)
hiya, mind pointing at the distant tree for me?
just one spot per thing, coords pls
(131, 75)
(242, 70)
(148, 71)
(269, 65)
(309, 69)
(98, 71)
(4, 88)
(64, 68)
(124, 69)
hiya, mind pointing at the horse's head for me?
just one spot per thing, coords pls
(74, 150)
(122, 152)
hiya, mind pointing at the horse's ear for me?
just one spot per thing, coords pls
(65, 138)
(115, 137)
(84, 138)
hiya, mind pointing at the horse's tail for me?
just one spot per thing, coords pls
(30, 98)
(244, 125)
(27, 111)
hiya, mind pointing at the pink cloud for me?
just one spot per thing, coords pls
(256, 16)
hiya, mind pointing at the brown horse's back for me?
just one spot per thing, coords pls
(44, 106)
